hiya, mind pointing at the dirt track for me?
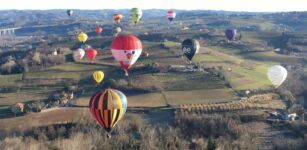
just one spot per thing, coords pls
(57, 116)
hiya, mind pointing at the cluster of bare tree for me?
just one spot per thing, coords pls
(251, 103)
(34, 60)
(208, 132)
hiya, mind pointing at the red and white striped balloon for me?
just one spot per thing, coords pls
(171, 15)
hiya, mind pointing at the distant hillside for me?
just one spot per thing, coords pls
(35, 20)
(12, 18)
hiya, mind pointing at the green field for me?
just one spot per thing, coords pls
(171, 44)
(272, 57)
(9, 80)
(179, 81)
(244, 73)
(204, 96)
(241, 78)
(39, 84)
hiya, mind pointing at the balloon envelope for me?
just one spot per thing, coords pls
(99, 30)
(117, 30)
(91, 54)
(126, 49)
(78, 54)
(117, 18)
(82, 37)
(136, 14)
(277, 75)
(171, 15)
(190, 47)
(98, 76)
(107, 108)
(69, 12)
(230, 34)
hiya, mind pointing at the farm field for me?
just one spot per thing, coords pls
(243, 72)
(222, 97)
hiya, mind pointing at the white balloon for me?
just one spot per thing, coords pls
(117, 30)
(277, 75)
(78, 54)
(197, 47)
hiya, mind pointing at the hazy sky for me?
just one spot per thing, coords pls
(231, 5)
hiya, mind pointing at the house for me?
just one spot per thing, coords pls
(290, 117)
(182, 68)
(282, 51)
(54, 53)
(185, 28)
(274, 114)
(17, 108)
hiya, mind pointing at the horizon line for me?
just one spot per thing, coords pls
(155, 9)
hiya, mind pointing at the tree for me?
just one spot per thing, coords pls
(8, 66)
(211, 144)
(36, 58)
(25, 69)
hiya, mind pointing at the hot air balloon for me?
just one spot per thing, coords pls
(117, 30)
(190, 47)
(91, 54)
(108, 107)
(98, 76)
(99, 30)
(230, 34)
(69, 12)
(171, 15)
(117, 18)
(277, 75)
(78, 54)
(126, 49)
(136, 15)
(82, 37)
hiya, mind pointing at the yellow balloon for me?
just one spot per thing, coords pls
(98, 76)
(82, 37)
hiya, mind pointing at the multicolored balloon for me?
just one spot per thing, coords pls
(230, 34)
(82, 37)
(190, 47)
(98, 76)
(117, 17)
(91, 54)
(277, 75)
(136, 15)
(171, 15)
(126, 49)
(108, 107)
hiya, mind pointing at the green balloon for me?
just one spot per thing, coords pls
(136, 15)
